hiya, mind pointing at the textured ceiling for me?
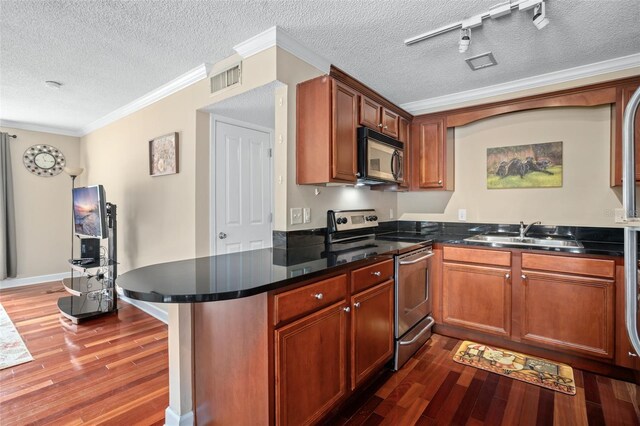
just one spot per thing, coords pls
(109, 53)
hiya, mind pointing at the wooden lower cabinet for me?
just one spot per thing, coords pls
(310, 357)
(568, 312)
(371, 331)
(477, 297)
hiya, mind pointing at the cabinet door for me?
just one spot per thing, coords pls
(623, 96)
(310, 357)
(371, 331)
(389, 123)
(568, 312)
(429, 155)
(370, 113)
(404, 137)
(344, 128)
(477, 297)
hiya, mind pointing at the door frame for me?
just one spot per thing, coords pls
(215, 119)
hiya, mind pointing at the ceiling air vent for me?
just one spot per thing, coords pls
(225, 79)
(481, 61)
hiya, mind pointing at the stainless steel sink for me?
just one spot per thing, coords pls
(511, 240)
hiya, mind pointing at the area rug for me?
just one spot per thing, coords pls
(548, 374)
(12, 349)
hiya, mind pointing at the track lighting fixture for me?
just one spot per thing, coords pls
(465, 40)
(540, 19)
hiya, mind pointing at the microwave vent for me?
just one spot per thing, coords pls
(226, 78)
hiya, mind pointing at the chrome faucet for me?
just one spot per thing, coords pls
(524, 230)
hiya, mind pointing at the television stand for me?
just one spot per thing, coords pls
(93, 285)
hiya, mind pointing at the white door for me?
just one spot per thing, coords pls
(242, 188)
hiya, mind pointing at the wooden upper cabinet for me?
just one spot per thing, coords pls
(390, 123)
(370, 113)
(326, 122)
(404, 136)
(378, 118)
(310, 357)
(431, 155)
(623, 95)
(371, 331)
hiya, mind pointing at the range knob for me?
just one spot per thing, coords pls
(374, 217)
(341, 220)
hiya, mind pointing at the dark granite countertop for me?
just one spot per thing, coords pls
(236, 275)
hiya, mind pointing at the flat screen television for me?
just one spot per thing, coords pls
(89, 212)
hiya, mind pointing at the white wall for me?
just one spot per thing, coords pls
(42, 207)
(584, 199)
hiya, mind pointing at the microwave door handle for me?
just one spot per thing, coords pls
(393, 163)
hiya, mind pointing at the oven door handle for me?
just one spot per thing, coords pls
(424, 330)
(411, 262)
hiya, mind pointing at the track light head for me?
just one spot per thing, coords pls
(540, 19)
(465, 40)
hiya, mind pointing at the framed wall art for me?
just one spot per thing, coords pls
(164, 155)
(525, 166)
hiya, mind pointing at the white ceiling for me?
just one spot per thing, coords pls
(109, 53)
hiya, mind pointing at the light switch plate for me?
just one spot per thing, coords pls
(306, 215)
(619, 215)
(462, 214)
(296, 215)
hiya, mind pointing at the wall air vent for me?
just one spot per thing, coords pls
(227, 78)
(481, 61)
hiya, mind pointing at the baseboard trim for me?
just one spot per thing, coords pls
(40, 279)
(149, 308)
(171, 418)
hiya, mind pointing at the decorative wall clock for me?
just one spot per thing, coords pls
(43, 160)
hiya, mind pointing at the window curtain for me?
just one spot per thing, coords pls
(8, 261)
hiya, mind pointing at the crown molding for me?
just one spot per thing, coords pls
(40, 128)
(276, 36)
(187, 79)
(557, 77)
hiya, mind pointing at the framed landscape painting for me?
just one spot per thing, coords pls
(525, 166)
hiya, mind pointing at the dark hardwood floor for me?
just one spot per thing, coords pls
(113, 370)
(432, 389)
(110, 370)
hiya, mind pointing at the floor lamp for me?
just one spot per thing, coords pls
(74, 172)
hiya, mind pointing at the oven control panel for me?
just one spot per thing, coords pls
(345, 220)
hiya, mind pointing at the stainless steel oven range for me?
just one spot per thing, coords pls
(413, 319)
(351, 234)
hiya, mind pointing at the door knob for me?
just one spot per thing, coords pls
(222, 235)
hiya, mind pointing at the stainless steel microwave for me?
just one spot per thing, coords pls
(380, 158)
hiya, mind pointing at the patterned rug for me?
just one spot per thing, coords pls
(548, 374)
(12, 349)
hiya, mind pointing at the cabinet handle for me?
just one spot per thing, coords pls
(523, 276)
(440, 182)
(319, 296)
(507, 276)
(356, 305)
(386, 127)
(633, 355)
(380, 125)
(376, 273)
(346, 309)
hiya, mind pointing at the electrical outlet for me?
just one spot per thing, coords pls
(462, 214)
(296, 215)
(619, 215)
(306, 213)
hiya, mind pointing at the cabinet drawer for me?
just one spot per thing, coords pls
(371, 275)
(487, 257)
(569, 265)
(304, 300)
